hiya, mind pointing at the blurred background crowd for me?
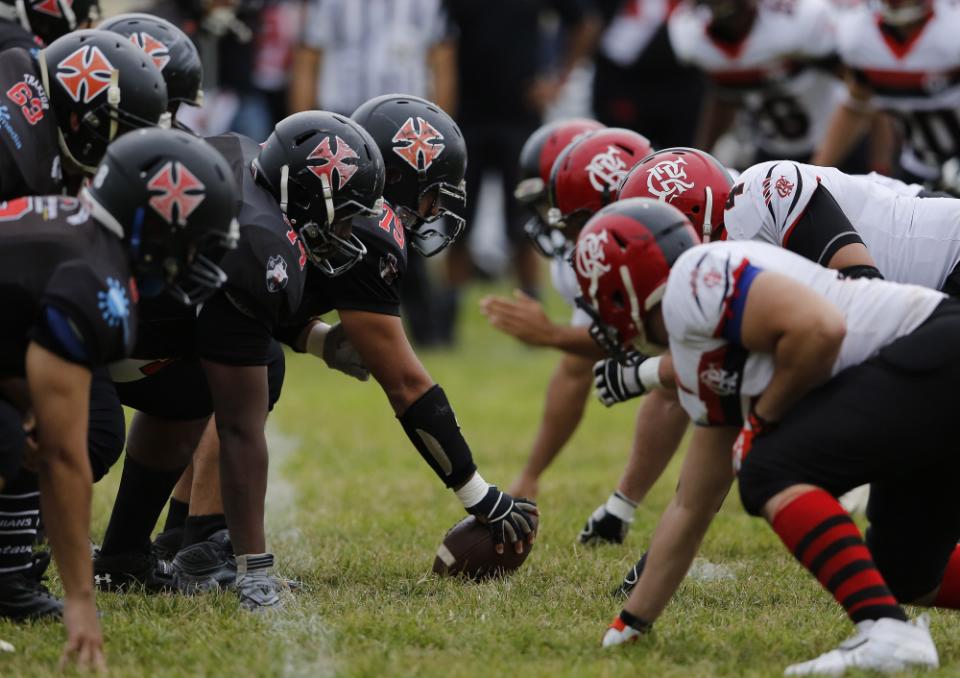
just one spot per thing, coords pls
(500, 67)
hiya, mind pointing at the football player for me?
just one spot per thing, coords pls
(61, 109)
(300, 192)
(902, 60)
(425, 158)
(582, 179)
(770, 354)
(33, 24)
(172, 51)
(770, 59)
(72, 273)
(863, 226)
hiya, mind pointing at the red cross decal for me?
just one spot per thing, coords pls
(176, 187)
(416, 144)
(50, 7)
(85, 73)
(155, 49)
(334, 161)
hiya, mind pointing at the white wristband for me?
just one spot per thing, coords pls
(473, 491)
(316, 338)
(649, 373)
(620, 507)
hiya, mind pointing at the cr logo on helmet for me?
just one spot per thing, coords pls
(666, 179)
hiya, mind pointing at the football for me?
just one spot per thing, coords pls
(467, 550)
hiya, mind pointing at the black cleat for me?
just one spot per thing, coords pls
(122, 572)
(23, 598)
(167, 543)
(633, 576)
(206, 566)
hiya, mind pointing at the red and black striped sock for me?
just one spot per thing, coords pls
(949, 594)
(820, 533)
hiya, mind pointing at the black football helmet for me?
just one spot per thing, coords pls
(324, 169)
(100, 87)
(171, 197)
(425, 155)
(50, 19)
(171, 50)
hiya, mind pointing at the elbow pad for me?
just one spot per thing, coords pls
(433, 429)
(861, 271)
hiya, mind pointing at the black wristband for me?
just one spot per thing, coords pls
(635, 622)
(861, 271)
(433, 429)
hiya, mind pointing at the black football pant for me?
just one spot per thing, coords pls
(889, 422)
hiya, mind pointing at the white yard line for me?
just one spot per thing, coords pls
(302, 633)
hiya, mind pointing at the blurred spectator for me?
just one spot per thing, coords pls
(354, 50)
(638, 81)
(504, 87)
(774, 61)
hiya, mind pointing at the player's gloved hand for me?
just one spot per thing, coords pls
(754, 427)
(616, 382)
(610, 522)
(330, 342)
(625, 628)
(510, 520)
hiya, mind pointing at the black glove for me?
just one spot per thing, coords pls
(510, 520)
(616, 382)
(603, 528)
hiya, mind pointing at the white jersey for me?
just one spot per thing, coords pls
(564, 280)
(917, 81)
(717, 378)
(912, 240)
(788, 98)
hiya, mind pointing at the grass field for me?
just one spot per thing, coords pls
(356, 515)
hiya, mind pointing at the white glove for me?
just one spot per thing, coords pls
(330, 342)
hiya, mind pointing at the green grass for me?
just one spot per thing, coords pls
(356, 514)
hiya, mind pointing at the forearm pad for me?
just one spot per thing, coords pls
(433, 429)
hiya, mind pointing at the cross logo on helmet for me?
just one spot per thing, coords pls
(418, 143)
(155, 49)
(666, 179)
(177, 190)
(85, 74)
(334, 161)
(606, 170)
(50, 7)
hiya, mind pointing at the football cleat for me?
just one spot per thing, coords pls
(167, 543)
(633, 576)
(619, 632)
(23, 598)
(121, 572)
(206, 566)
(885, 645)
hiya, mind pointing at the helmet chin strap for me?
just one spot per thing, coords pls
(327, 198)
(640, 342)
(708, 207)
(113, 99)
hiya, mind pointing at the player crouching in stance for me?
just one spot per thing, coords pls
(816, 383)
(71, 270)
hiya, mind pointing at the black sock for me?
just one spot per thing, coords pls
(200, 528)
(19, 518)
(139, 502)
(635, 622)
(176, 514)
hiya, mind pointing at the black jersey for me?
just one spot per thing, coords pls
(265, 278)
(372, 285)
(29, 154)
(64, 283)
(13, 35)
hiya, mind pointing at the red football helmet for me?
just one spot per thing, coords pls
(587, 173)
(541, 150)
(692, 181)
(622, 260)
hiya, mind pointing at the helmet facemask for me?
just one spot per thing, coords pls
(447, 201)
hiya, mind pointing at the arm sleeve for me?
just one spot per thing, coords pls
(821, 229)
